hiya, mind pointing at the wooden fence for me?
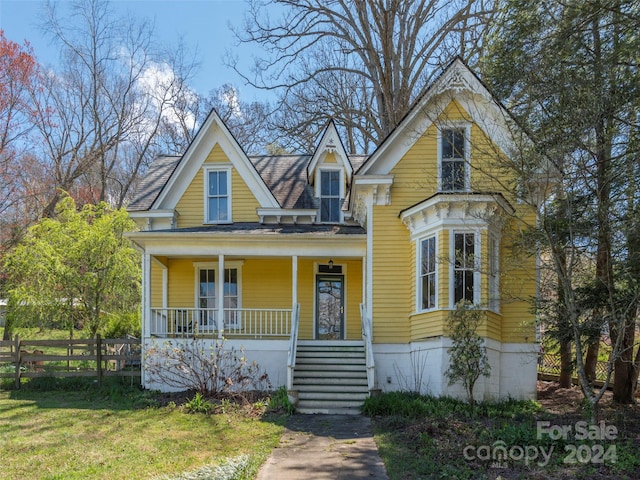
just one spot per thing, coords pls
(94, 357)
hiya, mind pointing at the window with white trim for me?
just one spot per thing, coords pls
(454, 174)
(218, 195)
(428, 278)
(465, 273)
(207, 297)
(330, 189)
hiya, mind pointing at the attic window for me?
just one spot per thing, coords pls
(330, 196)
(218, 195)
(453, 160)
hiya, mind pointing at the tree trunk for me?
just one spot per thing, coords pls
(566, 367)
(624, 367)
(591, 361)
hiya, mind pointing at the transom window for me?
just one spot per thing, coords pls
(218, 204)
(428, 279)
(453, 169)
(464, 271)
(330, 196)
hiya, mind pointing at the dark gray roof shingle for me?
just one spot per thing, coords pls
(153, 182)
(284, 175)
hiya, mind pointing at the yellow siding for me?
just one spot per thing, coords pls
(266, 283)
(191, 206)
(156, 285)
(182, 282)
(244, 204)
(518, 287)
(395, 255)
(391, 279)
(443, 269)
(330, 158)
(306, 288)
(353, 293)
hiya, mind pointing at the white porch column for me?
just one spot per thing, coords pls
(146, 295)
(294, 283)
(220, 296)
(146, 307)
(369, 277)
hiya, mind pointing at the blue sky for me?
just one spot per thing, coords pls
(203, 25)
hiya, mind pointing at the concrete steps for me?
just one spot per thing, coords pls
(330, 377)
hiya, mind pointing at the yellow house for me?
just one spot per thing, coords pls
(336, 272)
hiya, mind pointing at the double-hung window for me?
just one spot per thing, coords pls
(428, 279)
(453, 160)
(464, 259)
(330, 196)
(218, 198)
(208, 293)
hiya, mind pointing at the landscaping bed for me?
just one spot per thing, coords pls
(424, 437)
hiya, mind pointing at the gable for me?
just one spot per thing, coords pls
(330, 151)
(416, 173)
(191, 205)
(213, 143)
(457, 86)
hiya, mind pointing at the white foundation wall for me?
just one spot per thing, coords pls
(421, 366)
(270, 355)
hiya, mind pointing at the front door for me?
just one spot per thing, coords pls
(330, 307)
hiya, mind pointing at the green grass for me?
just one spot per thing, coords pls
(425, 437)
(73, 429)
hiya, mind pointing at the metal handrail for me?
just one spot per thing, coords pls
(293, 346)
(367, 338)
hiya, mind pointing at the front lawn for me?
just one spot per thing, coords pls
(76, 430)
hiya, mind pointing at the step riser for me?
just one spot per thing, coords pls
(335, 389)
(317, 380)
(330, 377)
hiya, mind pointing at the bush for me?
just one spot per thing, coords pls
(206, 367)
(122, 324)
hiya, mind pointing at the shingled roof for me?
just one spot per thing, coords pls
(153, 182)
(284, 175)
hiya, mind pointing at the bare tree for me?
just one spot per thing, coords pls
(364, 61)
(19, 76)
(102, 112)
(247, 121)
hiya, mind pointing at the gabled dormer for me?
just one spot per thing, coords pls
(329, 173)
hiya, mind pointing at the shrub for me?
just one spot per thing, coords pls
(122, 324)
(468, 354)
(206, 367)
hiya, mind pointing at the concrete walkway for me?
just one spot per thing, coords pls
(328, 447)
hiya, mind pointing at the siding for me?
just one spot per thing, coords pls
(395, 256)
(191, 205)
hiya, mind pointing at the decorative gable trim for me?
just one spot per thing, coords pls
(457, 83)
(213, 132)
(330, 142)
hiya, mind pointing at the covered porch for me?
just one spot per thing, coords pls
(252, 280)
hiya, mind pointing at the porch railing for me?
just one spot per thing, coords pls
(367, 338)
(250, 322)
(293, 347)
